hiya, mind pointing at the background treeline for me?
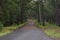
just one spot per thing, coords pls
(17, 11)
(12, 11)
(49, 11)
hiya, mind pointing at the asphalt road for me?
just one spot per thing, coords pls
(28, 32)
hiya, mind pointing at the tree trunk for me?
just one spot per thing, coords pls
(42, 19)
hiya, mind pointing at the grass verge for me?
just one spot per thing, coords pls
(7, 30)
(52, 33)
(50, 29)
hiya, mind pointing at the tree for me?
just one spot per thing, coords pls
(41, 14)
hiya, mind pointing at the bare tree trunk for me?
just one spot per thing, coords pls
(42, 20)
(21, 13)
(58, 12)
(0, 9)
(39, 14)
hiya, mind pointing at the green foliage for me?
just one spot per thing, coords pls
(13, 12)
(49, 8)
(9, 10)
(1, 26)
(50, 29)
(52, 33)
(9, 29)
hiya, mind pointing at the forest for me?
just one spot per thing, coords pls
(16, 12)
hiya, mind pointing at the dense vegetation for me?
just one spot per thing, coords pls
(12, 12)
(17, 11)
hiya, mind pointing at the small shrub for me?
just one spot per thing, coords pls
(1, 26)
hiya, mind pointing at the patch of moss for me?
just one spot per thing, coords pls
(52, 33)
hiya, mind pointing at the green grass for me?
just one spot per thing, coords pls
(7, 30)
(50, 29)
(48, 25)
(52, 33)
(4, 33)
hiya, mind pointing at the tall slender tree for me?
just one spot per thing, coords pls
(41, 14)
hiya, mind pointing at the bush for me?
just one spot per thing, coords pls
(1, 26)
